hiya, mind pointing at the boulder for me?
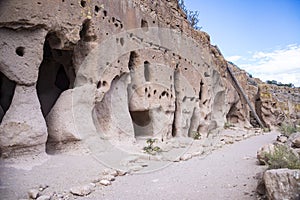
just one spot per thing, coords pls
(282, 139)
(296, 142)
(261, 153)
(292, 138)
(282, 184)
(82, 190)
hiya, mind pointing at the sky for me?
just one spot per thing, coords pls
(260, 36)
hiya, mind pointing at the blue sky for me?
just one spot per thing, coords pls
(260, 36)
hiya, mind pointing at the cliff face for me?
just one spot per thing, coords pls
(76, 70)
(273, 104)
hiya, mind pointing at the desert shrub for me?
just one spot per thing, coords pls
(228, 125)
(150, 148)
(283, 157)
(287, 129)
(196, 135)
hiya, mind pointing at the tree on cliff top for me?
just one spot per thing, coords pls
(192, 16)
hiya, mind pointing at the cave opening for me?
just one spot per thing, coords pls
(201, 90)
(56, 73)
(142, 123)
(7, 90)
(147, 71)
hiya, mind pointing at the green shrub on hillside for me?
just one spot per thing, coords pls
(287, 129)
(283, 157)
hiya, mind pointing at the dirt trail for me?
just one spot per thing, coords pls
(226, 173)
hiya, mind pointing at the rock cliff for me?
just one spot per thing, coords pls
(118, 70)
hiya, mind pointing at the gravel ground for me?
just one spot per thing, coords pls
(226, 173)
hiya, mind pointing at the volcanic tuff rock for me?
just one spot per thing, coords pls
(72, 70)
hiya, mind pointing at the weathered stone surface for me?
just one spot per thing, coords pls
(282, 139)
(261, 153)
(292, 138)
(23, 126)
(44, 197)
(105, 182)
(296, 142)
(95, 78)
(33, 193)
(21, 54)
(82, 190)
(60, 121)
(282, 184)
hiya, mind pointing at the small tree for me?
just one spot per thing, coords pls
(192, 16)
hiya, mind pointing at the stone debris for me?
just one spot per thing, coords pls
(105, 182)
(186, 157)
(109, 171)
(261, 153)
(33, 193)
(282, 139)
(296, 142)
(44, 197)
(82, 190)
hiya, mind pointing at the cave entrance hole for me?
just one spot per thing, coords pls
(142, 123)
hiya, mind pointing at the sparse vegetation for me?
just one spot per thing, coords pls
(151, 149)
(273, 82)
(228, 125)
(266, 130)
(192, 16)
(283, 157)
(196, 135)
(287, 129)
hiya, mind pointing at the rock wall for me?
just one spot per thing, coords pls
(120, 70)
(273, 104)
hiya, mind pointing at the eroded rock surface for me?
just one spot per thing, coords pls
(121, 70)
(282, 184)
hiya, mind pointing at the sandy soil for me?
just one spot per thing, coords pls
(226, 173)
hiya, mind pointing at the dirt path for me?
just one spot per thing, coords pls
(227, 173)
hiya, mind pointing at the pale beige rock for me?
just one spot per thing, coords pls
(296, 142)
(33, 193)
(282, 139)
(282, 184)
(44, 197)
(23, 127)
(105, 182)
(21, 54)
(60, 120)
(82, 190)
(261, 153)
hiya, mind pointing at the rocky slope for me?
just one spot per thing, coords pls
(73, 71)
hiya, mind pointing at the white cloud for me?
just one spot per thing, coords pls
(282, 65)
(234, 58)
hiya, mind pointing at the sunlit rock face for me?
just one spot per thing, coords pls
(118, 70)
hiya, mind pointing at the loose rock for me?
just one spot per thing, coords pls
(105, 182)
(44, 197)
(82, 190)
(33, 193)
(261, 153)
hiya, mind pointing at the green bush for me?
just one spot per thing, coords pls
(228, 125)
(283, 157)
(287, 129)
(196, 136)
(150, 149)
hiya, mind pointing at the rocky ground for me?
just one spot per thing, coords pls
(226, 173)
